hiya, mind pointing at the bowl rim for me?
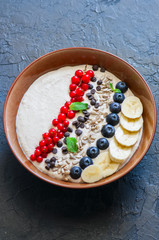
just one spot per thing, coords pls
(62, 183)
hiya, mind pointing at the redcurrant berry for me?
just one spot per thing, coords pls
(72, 86)
(85, 78)
(55, 139)
(52, 132)
(66, 123)
(42, 143)
(48, 140)
(90, 73)
(37, 152)
(84, 86)
(32, 157)
(39, 159)
(72, 94)
(79, 73)
(55, 122)
(75, 80)
(64, 109)
(71, 114)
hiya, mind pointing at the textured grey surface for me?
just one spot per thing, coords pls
(127, 209)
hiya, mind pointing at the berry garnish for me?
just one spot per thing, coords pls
(60, 126)
(32, 157)
(39, 159)
(75, 80)
(60, 134)
(61, 117)
(66, 123)
(85, 162)
(45, 135)
(93, 152)
(44, 155)
(44, 149)
(102, 143)
(75, 172)
(55, 122)
(55, 139)
(84, 86)
(79, 73)
(108, 131)
(42, 143)
(72, 86)
(52, 132)
(50, 147)
(73, 100)
(86, 78)
(90, 73)
(67, 104)
(72, 94)
(79, 99)
(118, 97)
(122, 86)
(48, 140)
(71, 114)
(112, 119)
(115, 107)
(79, 92)
(64, 129)
(37, 152)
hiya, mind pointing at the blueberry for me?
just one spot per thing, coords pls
(102, 143)
(112, 119)
(108, 131)
(118, 97)
(115, 107)
(75, 172)
(85, 162)
(92, 152)
(122, 86)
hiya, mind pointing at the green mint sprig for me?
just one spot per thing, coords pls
(114, 89)
(77, 106)
(71, 144)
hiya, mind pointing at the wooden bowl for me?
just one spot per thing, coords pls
(70, 57)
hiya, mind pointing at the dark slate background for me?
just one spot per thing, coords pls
(127, 209)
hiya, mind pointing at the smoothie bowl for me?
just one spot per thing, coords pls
(79, 117)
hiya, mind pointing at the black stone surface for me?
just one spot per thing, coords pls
(127, 209)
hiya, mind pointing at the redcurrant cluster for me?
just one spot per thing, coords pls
(79, 84)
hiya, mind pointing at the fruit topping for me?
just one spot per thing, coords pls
(75, 80)
(75, 172)
(55, 122)
(79, 73)
(52, 132)
(90, 73)
(64, 109)
(85, 162)
(112, 119)
(86, 78)
(92, 174)
(71, 114)
(37, 152)
(122, 86)
(72, 86)
(132, 107)
(92, 152)
(118, 97)
(115, 107)
(108, 131)
(84, 86)
(33, 157)
(61, 117)
(102, 143)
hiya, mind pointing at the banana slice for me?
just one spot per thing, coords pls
(131, 125)
(132, 107)
(118, 153)
(91, 174)
(102, 160)
(125, 137)
(112, 168)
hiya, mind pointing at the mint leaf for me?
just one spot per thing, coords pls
(71, 144)
(77, 106)
(114, 89)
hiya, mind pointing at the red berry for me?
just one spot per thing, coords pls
(61, 117)
(44, 155)
(55, 139)
(45, 135)
(60, 126)
(71, 114)
(79, 73)
(84, 86)
(72, 94)
(64, 129)
(72, 86)
(79, 92)
(52, 132)
(86, 78)
(55, 122)
(66, 123)
(75, 80)
(64, 109)
(44, 149)
(73, 99)
(39, 159)
(50, 147)
(67, 104)
(32, 157)
(42, 143)
(79, 99)
(90, 73)
(37, 152)
(48, 140)
(60, 134)
(38, 147)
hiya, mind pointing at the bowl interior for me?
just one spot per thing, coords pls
(77, 56)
